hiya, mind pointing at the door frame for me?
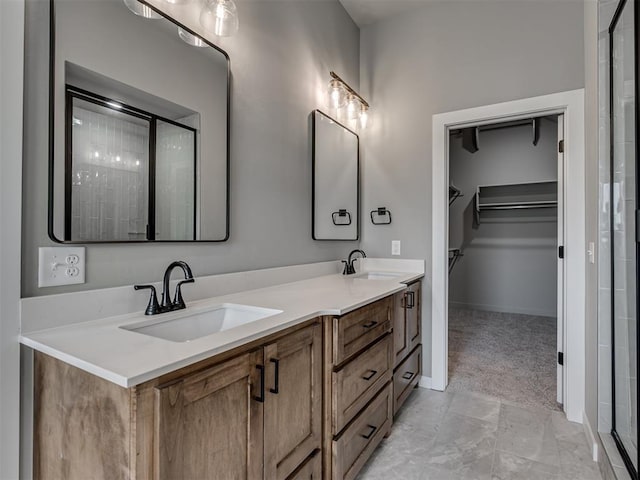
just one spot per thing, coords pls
(571, 105)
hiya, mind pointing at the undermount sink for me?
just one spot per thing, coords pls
(379, 275)
(185, 326)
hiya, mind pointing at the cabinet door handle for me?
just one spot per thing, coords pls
(408, 375)
(411, 300)
(371, 375)
(260, 397)
(276, 386)
(370, 434)
(372, 323)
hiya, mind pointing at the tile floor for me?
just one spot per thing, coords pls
(462, 436)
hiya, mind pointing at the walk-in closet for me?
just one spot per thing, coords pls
(505, 240)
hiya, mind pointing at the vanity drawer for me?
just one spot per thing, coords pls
(406, 377)
(354, 331)
(359, 380)
(356, 444)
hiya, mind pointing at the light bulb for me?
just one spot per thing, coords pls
(353, 107)
(364, 116)
(178, 2)
(220, 17)
(337, 94)
(190, 38)
(141, 9)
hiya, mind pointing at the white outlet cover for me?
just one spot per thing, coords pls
(52, 266)
(395, 247)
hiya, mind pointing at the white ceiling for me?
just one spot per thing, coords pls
(366, 12)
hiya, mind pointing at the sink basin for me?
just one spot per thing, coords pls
(379, 275)
(184, 326)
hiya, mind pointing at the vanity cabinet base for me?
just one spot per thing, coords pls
(254, 412)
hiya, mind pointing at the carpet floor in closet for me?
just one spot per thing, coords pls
(505, 355)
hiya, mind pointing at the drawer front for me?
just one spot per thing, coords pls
(355, 445)
(406, 377)
(359, 380)
(354, 331)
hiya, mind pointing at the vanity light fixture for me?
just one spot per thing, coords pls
(220, 17)
(141, 9)
(341, 94)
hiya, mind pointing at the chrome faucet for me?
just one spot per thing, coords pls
(167, 305)
(349, 268)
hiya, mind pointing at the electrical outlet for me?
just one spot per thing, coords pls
(60, 266)
(395, 247)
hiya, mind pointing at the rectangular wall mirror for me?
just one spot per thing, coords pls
(139, 128)
(336, 180)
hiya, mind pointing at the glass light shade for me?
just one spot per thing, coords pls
(353, 107)
(220, 17)
(364, 116)
(140, 9)
(190, 38)
(337, 94)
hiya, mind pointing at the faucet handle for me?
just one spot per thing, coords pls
(346, 267)
(153, 307)
(178, 301)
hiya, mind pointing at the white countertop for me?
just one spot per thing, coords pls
(129, 358)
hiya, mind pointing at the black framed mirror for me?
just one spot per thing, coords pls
(336, 180)
(139, 127)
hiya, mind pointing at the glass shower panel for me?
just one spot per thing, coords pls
(623, 226)
(107, 188)
(175, 182)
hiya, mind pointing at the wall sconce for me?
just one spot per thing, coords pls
(341, 95)
(217, 16)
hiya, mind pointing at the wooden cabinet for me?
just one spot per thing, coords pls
(407, 342)
(358, 391)
(252, 413)
(293, 404)
(407, 321)
(210, 422)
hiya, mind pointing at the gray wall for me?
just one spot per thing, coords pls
(11, 53)
(510, 261)
(442, 57)
(280, 61)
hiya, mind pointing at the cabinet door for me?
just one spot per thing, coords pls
(293, 407)
(414, 316)
(209, 424)
(400, 345)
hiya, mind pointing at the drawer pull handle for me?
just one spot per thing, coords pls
(370, 434)
(276, 386)
(371, 375)
(373, 323)
(408, 375)
(260, 398)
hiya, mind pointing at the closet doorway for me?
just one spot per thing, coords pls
(569, 105)
(506, 303)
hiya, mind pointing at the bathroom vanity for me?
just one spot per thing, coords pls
(308, 393)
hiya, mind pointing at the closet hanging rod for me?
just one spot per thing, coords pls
(515, 123)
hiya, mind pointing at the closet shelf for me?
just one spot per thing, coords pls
(515, 196)
(454, 256)
(454, 194)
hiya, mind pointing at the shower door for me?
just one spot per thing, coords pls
(624, 246)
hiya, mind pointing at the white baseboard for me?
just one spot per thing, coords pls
(425, 382)
(588, 431)
(503, 309)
